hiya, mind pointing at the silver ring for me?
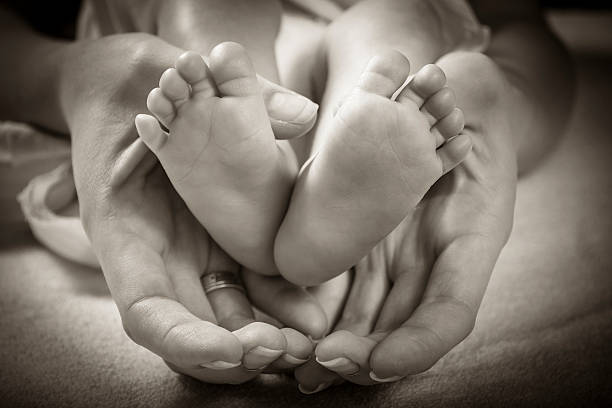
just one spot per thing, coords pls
(221, 280)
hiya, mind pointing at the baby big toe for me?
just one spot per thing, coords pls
(160, 106)
(385, 74)
(233, 70)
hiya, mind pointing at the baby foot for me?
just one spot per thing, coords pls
(377, 162)
(220, 153)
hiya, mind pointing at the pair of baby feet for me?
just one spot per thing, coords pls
(385, 147)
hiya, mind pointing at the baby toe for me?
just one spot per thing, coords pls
(454, 152)
(439, 105)
(149, 131)
(385, 74)
(192, 68)
(451, 124)
(427, 81)
(160, 106)
(174, 86)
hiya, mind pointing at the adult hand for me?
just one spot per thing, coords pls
(152, 250)
(416, 295)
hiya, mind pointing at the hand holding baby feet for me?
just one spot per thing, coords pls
(377, 161)
(220, 152)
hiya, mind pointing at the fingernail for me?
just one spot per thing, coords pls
(292, 108)
(259, 357)
(288, 358)
(341, 365)
(255, 369)
(388, 379)
(219, 365)
(265, 352)
(319, 388)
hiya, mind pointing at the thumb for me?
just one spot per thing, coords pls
(291, 114)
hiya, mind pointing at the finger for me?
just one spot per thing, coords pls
(236, 375)
(347, 354)
(262, 343)
(291, 114)
(231, 307)
(138, 280)
(135, 159)
(290, 304)
(347, 350)
(403, 298)
(189, 291)
(299, 350)
(332, 296)
(367, 294)
(186, 266)
(446, 314)
(313, 378)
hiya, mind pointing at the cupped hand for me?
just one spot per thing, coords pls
(152, 250)
(416, 295)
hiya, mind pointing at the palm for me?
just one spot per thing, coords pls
(460, 205)
(437, 262)
(149, 213)
(151, 248)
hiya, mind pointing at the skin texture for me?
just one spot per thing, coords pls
(151, 248)
(423, 284)
(336, 205)
(135, 204)
(220, 142)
